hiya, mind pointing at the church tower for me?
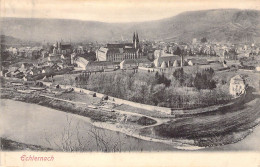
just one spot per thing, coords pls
(136, 40)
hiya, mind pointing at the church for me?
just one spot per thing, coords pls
(121, 51)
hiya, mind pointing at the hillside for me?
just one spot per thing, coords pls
(9, 40)
(220, 25)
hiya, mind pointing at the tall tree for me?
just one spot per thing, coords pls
(179, 75)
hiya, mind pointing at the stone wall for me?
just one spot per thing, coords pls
(165, 110)
(117, 100)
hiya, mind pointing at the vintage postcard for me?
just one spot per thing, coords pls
(129, 83)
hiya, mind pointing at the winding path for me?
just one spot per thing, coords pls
(158, 120)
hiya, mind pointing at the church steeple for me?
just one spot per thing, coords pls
(137, 38)
(134, 38)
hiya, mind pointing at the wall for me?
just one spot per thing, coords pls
(121, 101)
(117, 100)
(165, 110)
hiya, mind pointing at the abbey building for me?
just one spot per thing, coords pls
(121, 51)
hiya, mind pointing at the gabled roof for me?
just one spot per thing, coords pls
(163, 65)
(237, 77)
(102, 49)
(82, 60)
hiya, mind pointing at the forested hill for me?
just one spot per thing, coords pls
(231, 25)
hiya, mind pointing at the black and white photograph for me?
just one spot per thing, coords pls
(96, 76)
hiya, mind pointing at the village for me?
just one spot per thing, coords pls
(136, 87)
(61, 58)
(64, 63)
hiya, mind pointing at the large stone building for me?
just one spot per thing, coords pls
(58, 48)
(237, 86)
(121, 51)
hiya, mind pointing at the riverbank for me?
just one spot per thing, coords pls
(46, 127)
(106, 120)
(10, 145)
(151, 131)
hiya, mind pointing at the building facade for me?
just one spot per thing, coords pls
(58, 48)
(121, 51)
(237, 86)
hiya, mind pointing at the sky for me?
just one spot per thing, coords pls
(114, 10)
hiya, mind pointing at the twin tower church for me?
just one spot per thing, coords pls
(120, 51)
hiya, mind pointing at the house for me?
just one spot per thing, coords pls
(257, 68)
(128, 64)
(53, 58)
(81, 62)
(55, 67)
(34, 71)
(134, 63)
(237, 86)
(47, 70)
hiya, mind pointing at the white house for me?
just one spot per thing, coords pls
(237, 86)
(257, 68)
(81, 62)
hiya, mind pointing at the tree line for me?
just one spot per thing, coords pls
(180, 90)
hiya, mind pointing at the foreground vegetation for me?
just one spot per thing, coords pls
(9, 145)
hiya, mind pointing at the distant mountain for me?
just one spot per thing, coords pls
(9, 40)
(231, 25)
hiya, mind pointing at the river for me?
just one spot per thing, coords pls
(38, 125)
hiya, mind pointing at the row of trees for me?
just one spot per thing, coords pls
(201, 80)
(180, 90)
(204, 51)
